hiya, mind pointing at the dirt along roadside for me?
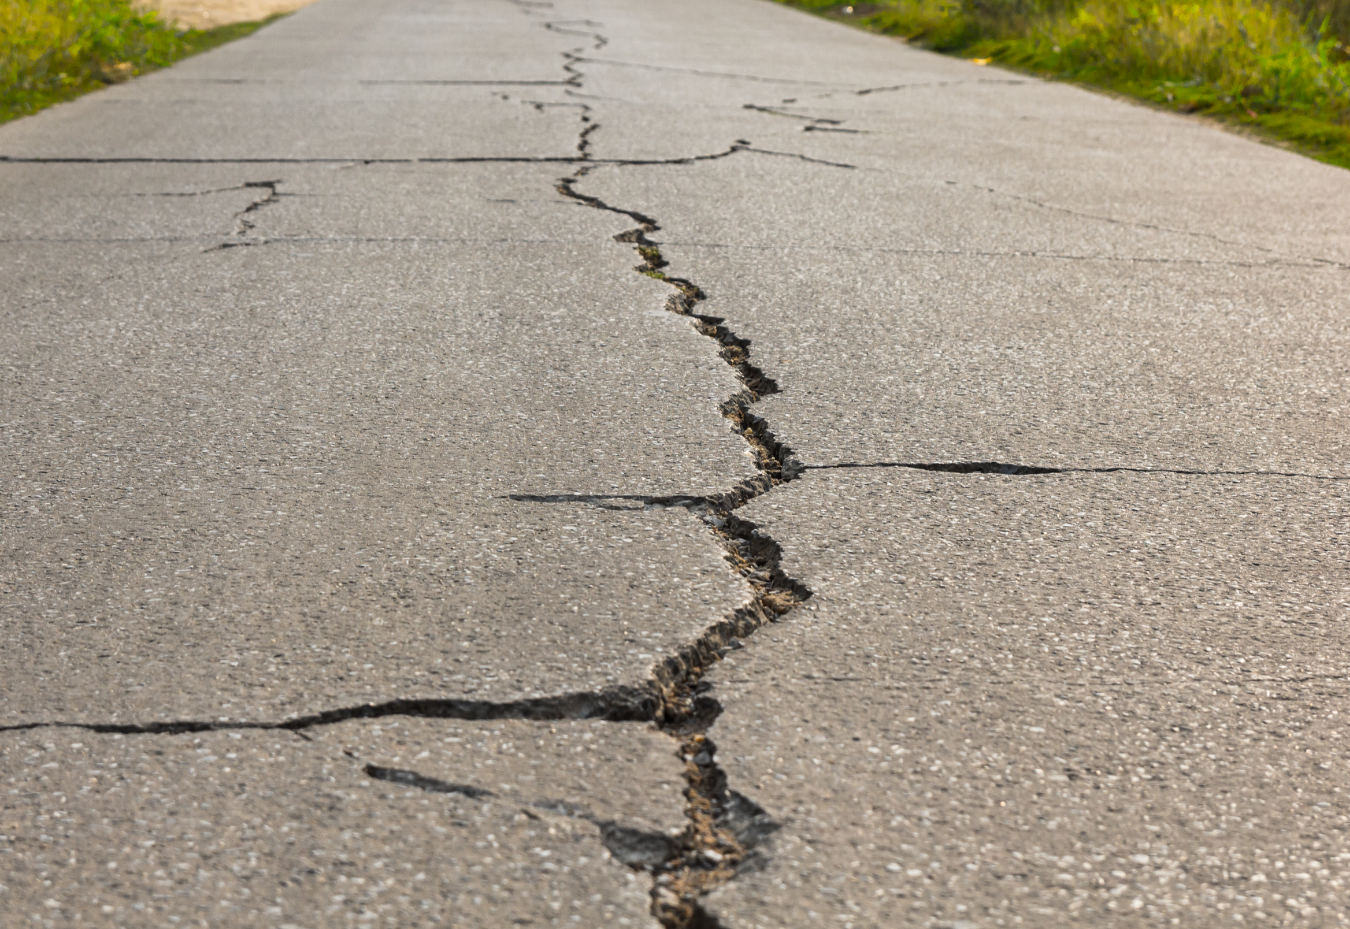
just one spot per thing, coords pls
(207, 14)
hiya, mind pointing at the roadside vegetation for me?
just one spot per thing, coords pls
(1278, 67)
(53, 50)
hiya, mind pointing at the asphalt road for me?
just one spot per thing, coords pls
(609, 463)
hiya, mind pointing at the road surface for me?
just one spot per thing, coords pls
(616, 463)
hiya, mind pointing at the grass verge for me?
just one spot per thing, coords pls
(1277, 68)
(53, 50)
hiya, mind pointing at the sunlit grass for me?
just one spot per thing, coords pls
(1280, 68)
(53, 50)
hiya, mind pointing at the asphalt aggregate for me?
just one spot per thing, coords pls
(499, 463)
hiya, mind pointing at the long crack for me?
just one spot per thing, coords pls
(447, 160)
(724, 826)
(1006, 468)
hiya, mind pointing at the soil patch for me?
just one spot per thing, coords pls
(207, 14)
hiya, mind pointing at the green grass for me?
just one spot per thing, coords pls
(1279, 68)
(53, 50)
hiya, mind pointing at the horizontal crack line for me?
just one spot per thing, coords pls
(735, 76)
(468, 159)
(1018, 253)
(861, 249)
(964, 681)
(995, 467)
(622, 704)
(1155, 227)
(616, 501)
(636, 704)
(430, 784)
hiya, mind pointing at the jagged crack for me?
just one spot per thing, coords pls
(244, 221)
(724, 825)
(269, 197)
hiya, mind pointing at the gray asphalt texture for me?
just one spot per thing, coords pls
(387, 543)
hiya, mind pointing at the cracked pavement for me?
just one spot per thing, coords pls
(597, 462)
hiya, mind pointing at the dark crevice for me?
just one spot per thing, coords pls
(430, 784)
(614, 501)
(572, 58)
(954, 467)
(566, 187)
(995, 467)
(725, 827)
(640, 849)
(1170, 680)
(584, 138)
(620, 704)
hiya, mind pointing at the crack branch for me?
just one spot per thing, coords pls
(431, 160)
(740, 77)
(429, 784)
(1155, 227)
(996, 467)
(725, 826)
